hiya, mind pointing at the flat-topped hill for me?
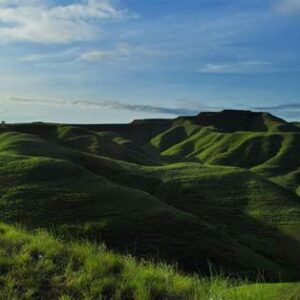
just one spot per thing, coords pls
(243, 120)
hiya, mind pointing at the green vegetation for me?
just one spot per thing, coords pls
(217, 189)
(37, 266)
(103, 144)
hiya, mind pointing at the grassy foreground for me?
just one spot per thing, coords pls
(38, 266)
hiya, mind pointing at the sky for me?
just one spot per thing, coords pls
(112, 61)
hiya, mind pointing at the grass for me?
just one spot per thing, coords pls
(35, 266)
(38, 266)
(48, 192)
(103, 144)
(272, 155)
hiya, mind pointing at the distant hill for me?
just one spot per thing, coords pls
(244, 120)
(219, 188)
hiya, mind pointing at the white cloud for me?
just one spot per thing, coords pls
(36, 57)
(37, 21)
(288, 6)
(121, 51)
(241, 67)
(60, 57)
(97, 55)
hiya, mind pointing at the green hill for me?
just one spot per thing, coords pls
(104, 144)
(53, 192)
(257, 141)
(217, 188)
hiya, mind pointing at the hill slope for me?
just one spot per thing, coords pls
(257, 141)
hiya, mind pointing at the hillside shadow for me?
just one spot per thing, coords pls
(267, 242)
(229, 218)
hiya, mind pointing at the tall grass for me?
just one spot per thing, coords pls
(38, 266)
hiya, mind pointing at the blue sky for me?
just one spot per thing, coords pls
(113, 61)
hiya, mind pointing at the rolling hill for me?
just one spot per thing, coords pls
(217, 188)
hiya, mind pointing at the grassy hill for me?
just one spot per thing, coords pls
(47, 189)
(104, 144)
(258, 141)
(216, 189)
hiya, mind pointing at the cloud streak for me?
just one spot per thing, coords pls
(288, 106)
(289, 110)
(240, 67)
(115, 105)
(121, 51)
